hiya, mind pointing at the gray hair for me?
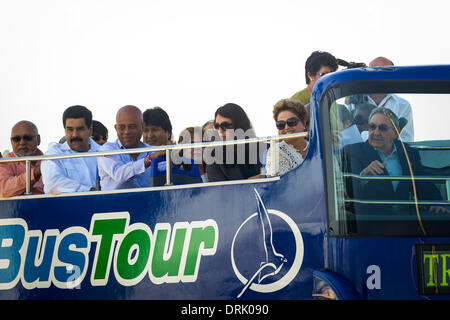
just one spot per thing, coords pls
(388, 113)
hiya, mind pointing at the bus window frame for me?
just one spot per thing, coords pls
(344, 89)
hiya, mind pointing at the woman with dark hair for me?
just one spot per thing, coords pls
(233, 162)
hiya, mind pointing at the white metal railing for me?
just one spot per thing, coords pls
(167, 148)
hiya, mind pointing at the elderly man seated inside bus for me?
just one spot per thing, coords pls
(385, 155)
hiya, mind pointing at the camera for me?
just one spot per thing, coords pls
(357, 98)
(350, 65)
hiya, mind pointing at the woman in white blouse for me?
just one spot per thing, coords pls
(290, 117)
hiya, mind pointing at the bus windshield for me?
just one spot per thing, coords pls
(390, 164)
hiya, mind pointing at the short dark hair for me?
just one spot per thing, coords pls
(236, 114)
(157, 117)
(100, 129)
(316, 60)
(76, 112)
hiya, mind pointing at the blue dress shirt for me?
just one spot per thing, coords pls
(69, 175)
(121, 171)
(393, 166)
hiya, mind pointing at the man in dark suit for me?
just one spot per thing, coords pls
(384, 154)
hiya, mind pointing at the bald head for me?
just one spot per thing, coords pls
(25, 138)
(129, 126)
(25, 124)
(381, 62)
(129, 110)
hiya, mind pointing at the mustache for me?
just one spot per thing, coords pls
(76, 139)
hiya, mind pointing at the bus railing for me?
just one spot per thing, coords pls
(384, 177)
(168, 149)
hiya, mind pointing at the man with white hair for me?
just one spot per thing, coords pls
(399, 106)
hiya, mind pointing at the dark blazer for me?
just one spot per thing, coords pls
(357, 157)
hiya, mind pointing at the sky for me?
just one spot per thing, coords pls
(191, 57)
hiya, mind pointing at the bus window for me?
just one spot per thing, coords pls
(391, 165)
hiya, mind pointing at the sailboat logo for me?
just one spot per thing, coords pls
(277, 267)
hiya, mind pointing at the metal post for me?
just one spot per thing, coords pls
(28, 176)
(274, 156)
(168, 168)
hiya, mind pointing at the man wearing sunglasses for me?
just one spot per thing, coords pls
(384, 154)
(25, 140)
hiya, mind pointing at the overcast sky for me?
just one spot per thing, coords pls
(191, 57)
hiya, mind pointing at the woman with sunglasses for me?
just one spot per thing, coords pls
(290, 117)
(233, 162)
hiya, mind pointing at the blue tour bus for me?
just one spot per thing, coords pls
(308, 234)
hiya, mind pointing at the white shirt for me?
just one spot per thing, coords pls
(69, 175)
(402, 109)
(121, 171)
(286, 158)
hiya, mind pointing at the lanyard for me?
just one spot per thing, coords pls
(384, 104)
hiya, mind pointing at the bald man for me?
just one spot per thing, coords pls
(25, 140)
(399, 106)
(124, 171)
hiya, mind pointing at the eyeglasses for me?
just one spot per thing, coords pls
(381, 127)
(291, 122)
(224, 125)
(19, 138)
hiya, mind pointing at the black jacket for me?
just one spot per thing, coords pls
(357, 157)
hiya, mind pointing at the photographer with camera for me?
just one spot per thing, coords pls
(318, 64)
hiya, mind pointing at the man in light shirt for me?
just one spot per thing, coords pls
(25, 140)
(399, 106)
(123, 171)
(72, 174)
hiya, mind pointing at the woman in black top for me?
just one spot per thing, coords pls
(234, 162)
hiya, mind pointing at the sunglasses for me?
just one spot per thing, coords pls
(381, 127)
(98, 138)
(19, 138)
(224, 126)
(291, 122)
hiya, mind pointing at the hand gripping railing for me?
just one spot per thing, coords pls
(167, 148)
